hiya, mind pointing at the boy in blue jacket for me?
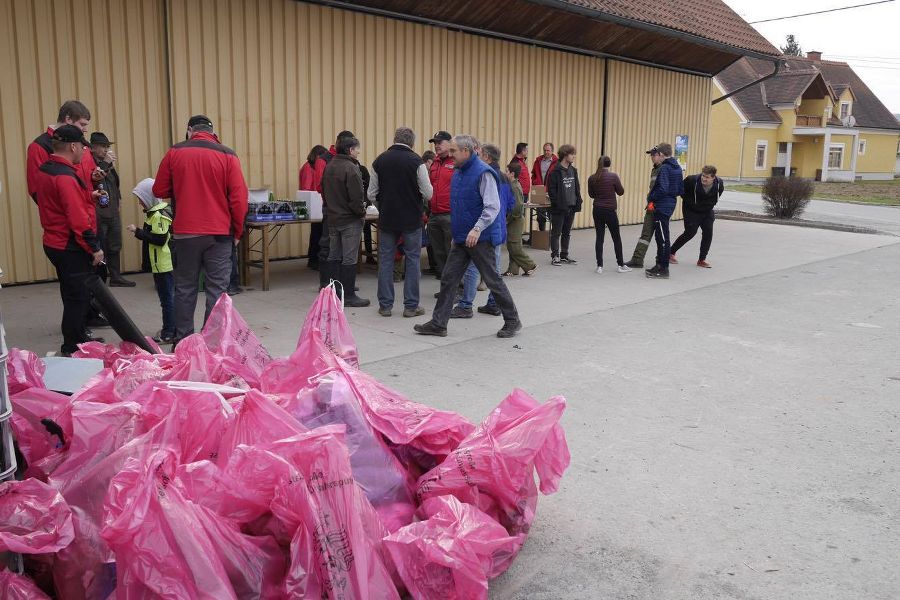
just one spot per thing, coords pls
(668, 186)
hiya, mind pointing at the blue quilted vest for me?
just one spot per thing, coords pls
(466, 205)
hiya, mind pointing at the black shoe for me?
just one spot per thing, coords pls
(348, 280)
(98, 321)
(121, 283)
(436, 294)
(234, 291)
(164, 338)
(328, 271)
(510, 328)
(430, 328)
(312, 266)
(657, 273)
(634, 264)
(459, 312)
(568, 261)
(489, 309)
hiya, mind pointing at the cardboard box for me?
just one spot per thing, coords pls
(538, 195)
(540, 240)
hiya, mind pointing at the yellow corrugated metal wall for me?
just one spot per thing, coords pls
(116, 66)
(279, 76)
(648, 106)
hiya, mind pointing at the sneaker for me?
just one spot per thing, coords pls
(624, 269)
(234, 291)
(529, 272)
(384, 311)
(569, 261)
(164, 338)
(634, 264)
(509, 274)
(704, 264)
(459, 312)
(510, 328)
(430, 328)
(490, 309)
(555, 262)
(413, 312)
(657, 273)
(121, 283)
(672, 259)
(599, 270)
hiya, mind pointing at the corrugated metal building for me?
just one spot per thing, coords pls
(278, 76)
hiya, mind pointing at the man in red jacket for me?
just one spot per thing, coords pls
(208, 195)
(540, 174)
(521, 157)
(440, 174)
(72, 112)
(70, 241)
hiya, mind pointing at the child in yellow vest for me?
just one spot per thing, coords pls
(155, 235)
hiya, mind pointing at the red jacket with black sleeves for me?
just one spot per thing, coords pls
(524, 177)
(536, 178)
(39, 152)
(440, 174)
(311, 176)
(204, 182)
(65, 206)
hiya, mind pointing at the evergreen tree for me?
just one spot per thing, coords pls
(791, 47)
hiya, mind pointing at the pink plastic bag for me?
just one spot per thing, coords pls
(403, 422)
(168, 546)
(24, 370)
(34, 518)
(42, 426)
(337, 550)
(110, 353)
(449, 555)
(493, 469)
(19, 587)
(258, 420)
(194, 361)
(229, 337)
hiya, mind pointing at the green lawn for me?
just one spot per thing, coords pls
(885, 193)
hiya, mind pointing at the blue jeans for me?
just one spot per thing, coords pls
(165, 289)
(470, 283)
(412, 250)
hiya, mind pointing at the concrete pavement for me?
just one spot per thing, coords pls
(733, 431)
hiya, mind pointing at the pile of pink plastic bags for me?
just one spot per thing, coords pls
(220, 472)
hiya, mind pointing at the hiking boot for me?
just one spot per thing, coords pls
(704, 264)
(430, 328)
(624, 269)
(384, 311)
(489, 309)
(657, 273)
(555, 262)
(413, 312)
(599, 270)
(672, 259)
(348, 281)
(568, 261)
(510, 328)
(459, 312)
(634, 264)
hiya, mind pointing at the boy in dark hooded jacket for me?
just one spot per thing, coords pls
(668, 186)
(701, 193)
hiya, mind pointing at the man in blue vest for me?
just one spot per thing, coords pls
(474, 208)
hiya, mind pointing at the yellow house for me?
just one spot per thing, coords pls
(815, 119)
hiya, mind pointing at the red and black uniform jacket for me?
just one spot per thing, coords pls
(39, 152)
(441, 174)
(205, 186)
(536, 177)
(66, 207)
(524, 178)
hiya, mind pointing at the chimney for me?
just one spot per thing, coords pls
(814, 55)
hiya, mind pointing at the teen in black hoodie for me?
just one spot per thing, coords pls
(701, 193)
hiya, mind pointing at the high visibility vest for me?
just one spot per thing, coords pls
(160, 222)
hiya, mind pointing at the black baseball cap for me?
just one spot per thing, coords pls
(200, 120)
(440, 136)
(653, 150)
(99, 139)
(70, 134)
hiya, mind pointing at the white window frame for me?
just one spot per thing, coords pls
(765, 146)
(840, 147)
(849, 106)
(827, 112)
(862, 147)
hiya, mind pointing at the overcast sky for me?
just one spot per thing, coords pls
(868, 37)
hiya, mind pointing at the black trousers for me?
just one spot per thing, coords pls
(693, 221)
(73, 267)
(315, 236)
(605, 218)
(560, 232)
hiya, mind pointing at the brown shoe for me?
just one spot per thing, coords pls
(704, 264)
(672, 259)
(413, 312)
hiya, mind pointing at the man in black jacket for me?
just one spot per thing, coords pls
(701, 193)
(109, 218)
(400, 188)
(564, 191)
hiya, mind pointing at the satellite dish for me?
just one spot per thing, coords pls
(849, 121)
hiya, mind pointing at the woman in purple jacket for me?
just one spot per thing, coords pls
(603, 187)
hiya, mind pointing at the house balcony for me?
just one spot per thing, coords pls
(809, 121)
